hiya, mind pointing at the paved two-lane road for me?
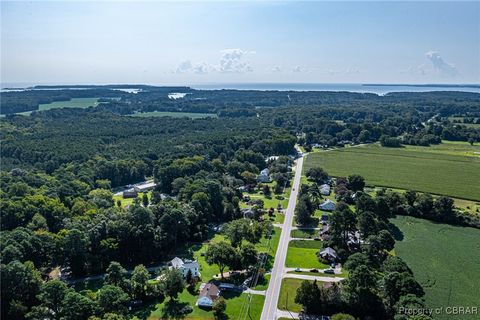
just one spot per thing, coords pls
(269, 311)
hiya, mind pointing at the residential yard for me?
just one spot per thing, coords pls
(445, 260)
(286, 300)
(451, 169)
(235, 301)
(306, 233)
(303, 254)
(129, 201)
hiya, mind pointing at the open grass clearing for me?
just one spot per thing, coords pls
(301, 257)
(451, 169)
(445, 260)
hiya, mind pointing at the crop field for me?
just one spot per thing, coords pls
(192, 115)
(73, 103)
(451, 169)
(445, 260)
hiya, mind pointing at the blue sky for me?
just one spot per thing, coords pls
(226, 42)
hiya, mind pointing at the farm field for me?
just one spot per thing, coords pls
(72, 103)
(444, 259)
(192, 115)
(451, 169)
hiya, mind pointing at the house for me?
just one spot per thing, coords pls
(328, 205)
(185, 266)
(328, 254)
(248, 213)
(325, 229)
(144, 186)
(264, 176)
(325, 190)
(131, 193)
(209, 292)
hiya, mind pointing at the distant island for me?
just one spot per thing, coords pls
(423, 85)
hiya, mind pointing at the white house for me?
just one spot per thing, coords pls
(209, 292)
(264, 176)
(325, 190)
(144, 186)
(328, 205)
(185, 266)
(328, 254)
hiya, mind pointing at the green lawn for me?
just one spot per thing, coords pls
(304, 233)
(451, 169)
(303, 254)
(288, 291)
(235, 302)
(192, 115)
(129, 201)
(445, 260)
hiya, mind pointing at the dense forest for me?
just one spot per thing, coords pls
(59, 168)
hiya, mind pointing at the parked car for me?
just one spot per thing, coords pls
(329, 271)
(297, 270)
(314, 270)
(317, 239)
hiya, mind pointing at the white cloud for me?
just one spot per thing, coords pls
(183, 67)
(232, 61)
(441, 65)
(276, 69)
(299, 69)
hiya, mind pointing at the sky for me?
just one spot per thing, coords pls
(67, 42)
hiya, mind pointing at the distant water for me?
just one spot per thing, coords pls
(350, 87)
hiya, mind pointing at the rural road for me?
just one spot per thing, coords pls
(269, 311)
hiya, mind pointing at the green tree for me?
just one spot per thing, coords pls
(77, 307)
(145, 200)
(19, 287)
(75, 250)
(222, 254)
(51, 296)
(219, 308)
(248, 255)
(356, 182)
(172, 283)
(302, 212)
(139, 280)
(317, 174)
(308, 295)
(116, 275)
(112, 299)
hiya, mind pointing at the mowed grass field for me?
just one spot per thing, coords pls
(445, 260)
(191, 115)
(72, 103)
(451, 169)
(303, 254)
